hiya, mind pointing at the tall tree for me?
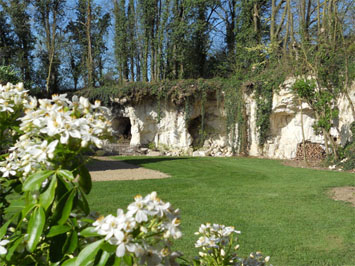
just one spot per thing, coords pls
(7, 45)
(23, 42)
(121, 38)
(48, 16)
(87, 32)
(132, 39)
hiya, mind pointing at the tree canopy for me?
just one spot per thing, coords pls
(67, 45)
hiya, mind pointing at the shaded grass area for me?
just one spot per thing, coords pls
(282, 211)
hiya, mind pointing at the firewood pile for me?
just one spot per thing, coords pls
(314, 151)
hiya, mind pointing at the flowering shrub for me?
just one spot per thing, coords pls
(56, 128)
(12, 100)
(48, 223)
(46, 167)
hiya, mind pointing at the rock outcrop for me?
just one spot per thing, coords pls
(176, 132)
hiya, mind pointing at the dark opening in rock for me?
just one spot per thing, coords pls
(194, 129)
(121, 127)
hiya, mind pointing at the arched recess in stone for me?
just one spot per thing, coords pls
(121, 127)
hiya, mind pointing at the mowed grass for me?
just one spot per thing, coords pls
(282, 211)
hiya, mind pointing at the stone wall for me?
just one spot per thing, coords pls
(176, 134)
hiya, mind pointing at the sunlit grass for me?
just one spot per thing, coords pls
(282, 211)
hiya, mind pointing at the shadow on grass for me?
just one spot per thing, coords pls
(103, 165)
(131, 163)
(140, 161)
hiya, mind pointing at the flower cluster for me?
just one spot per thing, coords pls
(217, 242)
(214, 236)
(50, 126)
(12, 97)
(144, 231)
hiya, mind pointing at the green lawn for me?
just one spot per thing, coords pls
(282, 211)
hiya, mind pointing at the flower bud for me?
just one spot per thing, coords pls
(223, 253)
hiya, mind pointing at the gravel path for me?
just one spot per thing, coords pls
(107, 169)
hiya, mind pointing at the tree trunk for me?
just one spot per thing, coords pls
(303, 137)
(51, 36)
(89, 56)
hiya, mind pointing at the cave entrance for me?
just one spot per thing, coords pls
(121, 127)
(194, 129)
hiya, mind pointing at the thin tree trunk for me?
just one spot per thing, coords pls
(287, 27)
(303, 137)
(51, 33)
(88, 36)
(272, 21)
(318, 18)
(346, 86)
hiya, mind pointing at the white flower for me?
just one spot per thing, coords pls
(137, 210)
(173, 229)
(6, 106)
(126, 222)
(3, 250)
(43, 151)
(7, 171)
(107, 226)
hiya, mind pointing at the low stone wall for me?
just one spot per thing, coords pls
(169, 130)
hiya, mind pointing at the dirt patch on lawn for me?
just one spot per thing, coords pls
(344, 193)
(315, 164)
(302, 164)
(108, 169)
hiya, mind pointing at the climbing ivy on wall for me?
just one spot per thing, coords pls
(266, 83)
(184, 93)
(177, 91)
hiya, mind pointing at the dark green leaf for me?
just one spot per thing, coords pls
(55, 249)
(3, 228)
(117, 261)
(47, 197)
(69, 262)
(58, 229)
(108, 247)
(66, 174)
(104, 258)
(35, 228)
(85, 179)
(13, 247)
(71, 243)
(89, 232)
(67, 208)
(128, 259)
(16, 205)
(88, 253)
(83, 203)
(60, 206)
(35, 180)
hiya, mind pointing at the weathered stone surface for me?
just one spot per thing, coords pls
(199, 154)
(174, 132)
(154, 153)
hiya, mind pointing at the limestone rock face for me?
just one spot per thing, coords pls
(147, 128)
(174, 131)
(286, 123)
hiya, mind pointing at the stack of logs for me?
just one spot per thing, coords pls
(314, 152)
